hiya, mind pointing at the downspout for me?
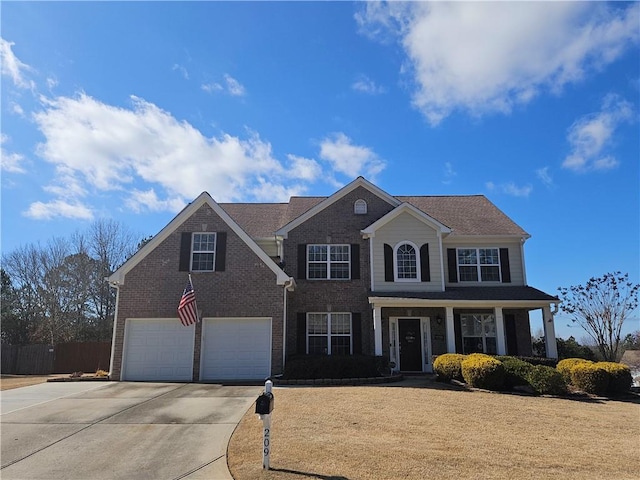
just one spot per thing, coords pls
(524, 266)
(441, 260)
(287, 285)
(115, 324)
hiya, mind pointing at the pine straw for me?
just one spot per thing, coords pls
(431, 431)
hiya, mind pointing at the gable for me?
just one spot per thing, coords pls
(404, 211)
(204, 200)
(359, 182)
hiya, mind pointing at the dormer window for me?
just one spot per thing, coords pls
(360, 207)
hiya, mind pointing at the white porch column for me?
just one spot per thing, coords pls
(501, 347)
(549, 333)
(377, 329)
(451, 335)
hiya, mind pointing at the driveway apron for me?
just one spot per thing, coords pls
(120, 430)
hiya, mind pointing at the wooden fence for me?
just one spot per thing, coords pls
(84, 357)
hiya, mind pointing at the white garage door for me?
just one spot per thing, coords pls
(236, 349)
(158, 349)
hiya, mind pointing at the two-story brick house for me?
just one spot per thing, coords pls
(360, 271)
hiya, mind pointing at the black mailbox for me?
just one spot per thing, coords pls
(264, 404)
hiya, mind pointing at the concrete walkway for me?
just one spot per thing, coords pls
(119, 430)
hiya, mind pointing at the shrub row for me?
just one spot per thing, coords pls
(506, 372)
(306, 367)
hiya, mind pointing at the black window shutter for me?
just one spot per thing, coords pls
(425, 267)
(185, 252)
(457, 331)
(356, 332)
(355, 261)
(302, 261)
(388, 263)
(301, 333)
(452, 262)
(504, 265)
(221, 251)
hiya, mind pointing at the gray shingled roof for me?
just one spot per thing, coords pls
(475, 293)
(464, 215)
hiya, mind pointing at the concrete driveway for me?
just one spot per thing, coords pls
(120, 430)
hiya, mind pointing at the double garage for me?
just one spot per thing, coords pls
(162, 349)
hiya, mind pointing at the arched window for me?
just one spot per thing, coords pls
(407, 265)
(360, 207)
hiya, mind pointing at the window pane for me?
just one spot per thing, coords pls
(340, 323)
(467, 256)
(489, 256)
(340, 270)
(489, 325)
(340, 345)
(491, 346)
(317, 253)
(204, 242)
(317, 270)
(317, 323)
(469, 274)
(472, 345)
(202, 261)
(490, 274)
(407, 263)
(340, 253)
(318, 345)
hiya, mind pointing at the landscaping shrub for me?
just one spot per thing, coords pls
(620, 379)
(590, 378)
(516, 371)
(565, 366)
(546, 380)
(483, 371)
(332, 366)
(448, 366)
(549, 362)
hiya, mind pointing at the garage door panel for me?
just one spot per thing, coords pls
(238, 349)
(158, 349)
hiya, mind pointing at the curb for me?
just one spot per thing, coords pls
(334, 382)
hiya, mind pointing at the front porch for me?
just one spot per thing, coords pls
(412, 328)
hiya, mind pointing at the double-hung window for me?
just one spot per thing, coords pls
(203, 252)
(329, 333)
(478, 333)
(328, 262)
(479, 264)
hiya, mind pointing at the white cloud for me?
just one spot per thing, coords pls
(140, 201)
(348, 159)
(485, 57)
(449, 173)
(183, 71)
(510, 188)
(13, 67)
(544, 176)
(365, 85)
(58, 208)
(231, 86)
(234, 87)
(591, 134)
(10, 162)
(304, 168)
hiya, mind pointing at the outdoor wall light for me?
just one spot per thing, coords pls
(439, 320)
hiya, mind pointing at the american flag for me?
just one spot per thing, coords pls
(187, 310)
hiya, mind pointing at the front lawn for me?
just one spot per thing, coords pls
(422, 429)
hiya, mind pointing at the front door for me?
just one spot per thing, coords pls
(410, 345)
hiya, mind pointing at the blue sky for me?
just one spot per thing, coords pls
(130, 110)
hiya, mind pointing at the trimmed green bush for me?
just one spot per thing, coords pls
(590, 378)
(620, 378)
(546, 380)
(516, 371)
(565, 366)
(448, 366)
(305, 367)
(483, 371)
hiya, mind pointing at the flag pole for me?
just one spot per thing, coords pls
(194, 291)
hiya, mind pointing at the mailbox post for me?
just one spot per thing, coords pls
(264, 407)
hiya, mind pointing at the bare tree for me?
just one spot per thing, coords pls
(600, 307)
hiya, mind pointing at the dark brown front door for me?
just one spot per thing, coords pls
(410, 345)
(512, 337)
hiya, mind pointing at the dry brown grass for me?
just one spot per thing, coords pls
(7, 382)
(430, 431)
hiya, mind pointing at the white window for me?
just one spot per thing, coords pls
(328, 262)
(407, 264)
(360, 207)
(329, 334)
(479, 264)
(478, 333)
(203, 252)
